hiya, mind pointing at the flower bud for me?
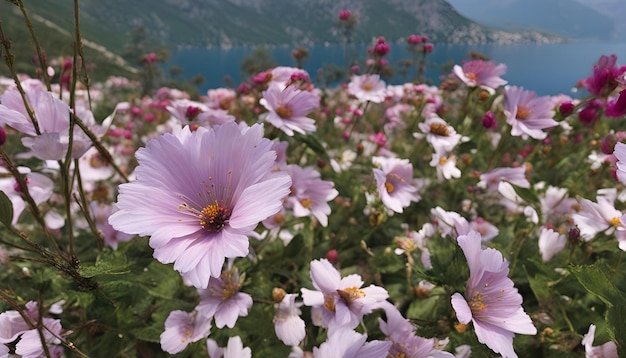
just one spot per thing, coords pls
(3, 136)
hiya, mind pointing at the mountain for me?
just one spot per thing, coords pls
(579, 20)
(112, 28)
(201, 23)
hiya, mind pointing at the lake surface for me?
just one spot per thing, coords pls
(548, 69)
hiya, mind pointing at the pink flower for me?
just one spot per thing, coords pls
(617, 108)
(234, 349)
(550, 243)
(287, 109)
(50, 139)
(367, 88)
(491, 302)
(200, 194)
(440, 134)
(341, 302)
(344, 15)
(223, 300)
(491, 179)
(40, 187)
(182, 328)
(395, 183)
(346, 343)
(620, 153)
(309, 193)
(602, 216)
(288, 324)
(479, 73)
(405, 343)
(606, 350)
(528, 114)
(605, 77)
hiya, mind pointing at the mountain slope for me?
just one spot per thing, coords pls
(567, 18)
(293, 22)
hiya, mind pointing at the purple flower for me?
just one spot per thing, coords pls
(395, 183)
(606, 350)
(528, 114)
(405, 343)
(199, 194)
(223, 300)
(479, 73)
(341, 302)
(491, 302)
(346, 343)
(182, 328)
(287, 109)
(491, 179)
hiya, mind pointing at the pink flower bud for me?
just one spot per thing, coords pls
(344, 15)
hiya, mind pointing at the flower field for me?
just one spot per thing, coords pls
(282, 218)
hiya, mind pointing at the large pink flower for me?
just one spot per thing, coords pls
(199, 194)
(491, 302)
(527, 113)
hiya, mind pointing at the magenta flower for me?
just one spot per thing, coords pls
(617, 108)
(395, 183)
(223, 300)
(528, 114)
(479, 73)
(491, 302)
(341, 302)
(182, 328)
(605, 77)
(200, 194)
(287, 109)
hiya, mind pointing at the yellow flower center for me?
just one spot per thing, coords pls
(443, 160)
(351, 294)
(213, 217)
(230, 289)
(471, 75)
(186, 337)
(616, 221)
(522, 113)
(283, 112)
(306, 202)
(367, 87)
(476, 303)
(439, 129)
(390, 188)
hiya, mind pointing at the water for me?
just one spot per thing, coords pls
(548, 69)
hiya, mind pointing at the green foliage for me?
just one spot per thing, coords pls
(6, 209)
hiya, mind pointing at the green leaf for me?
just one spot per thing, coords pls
(595, 280)
(114, 263)
(314, 143)
(6, 209)
(529, 195)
